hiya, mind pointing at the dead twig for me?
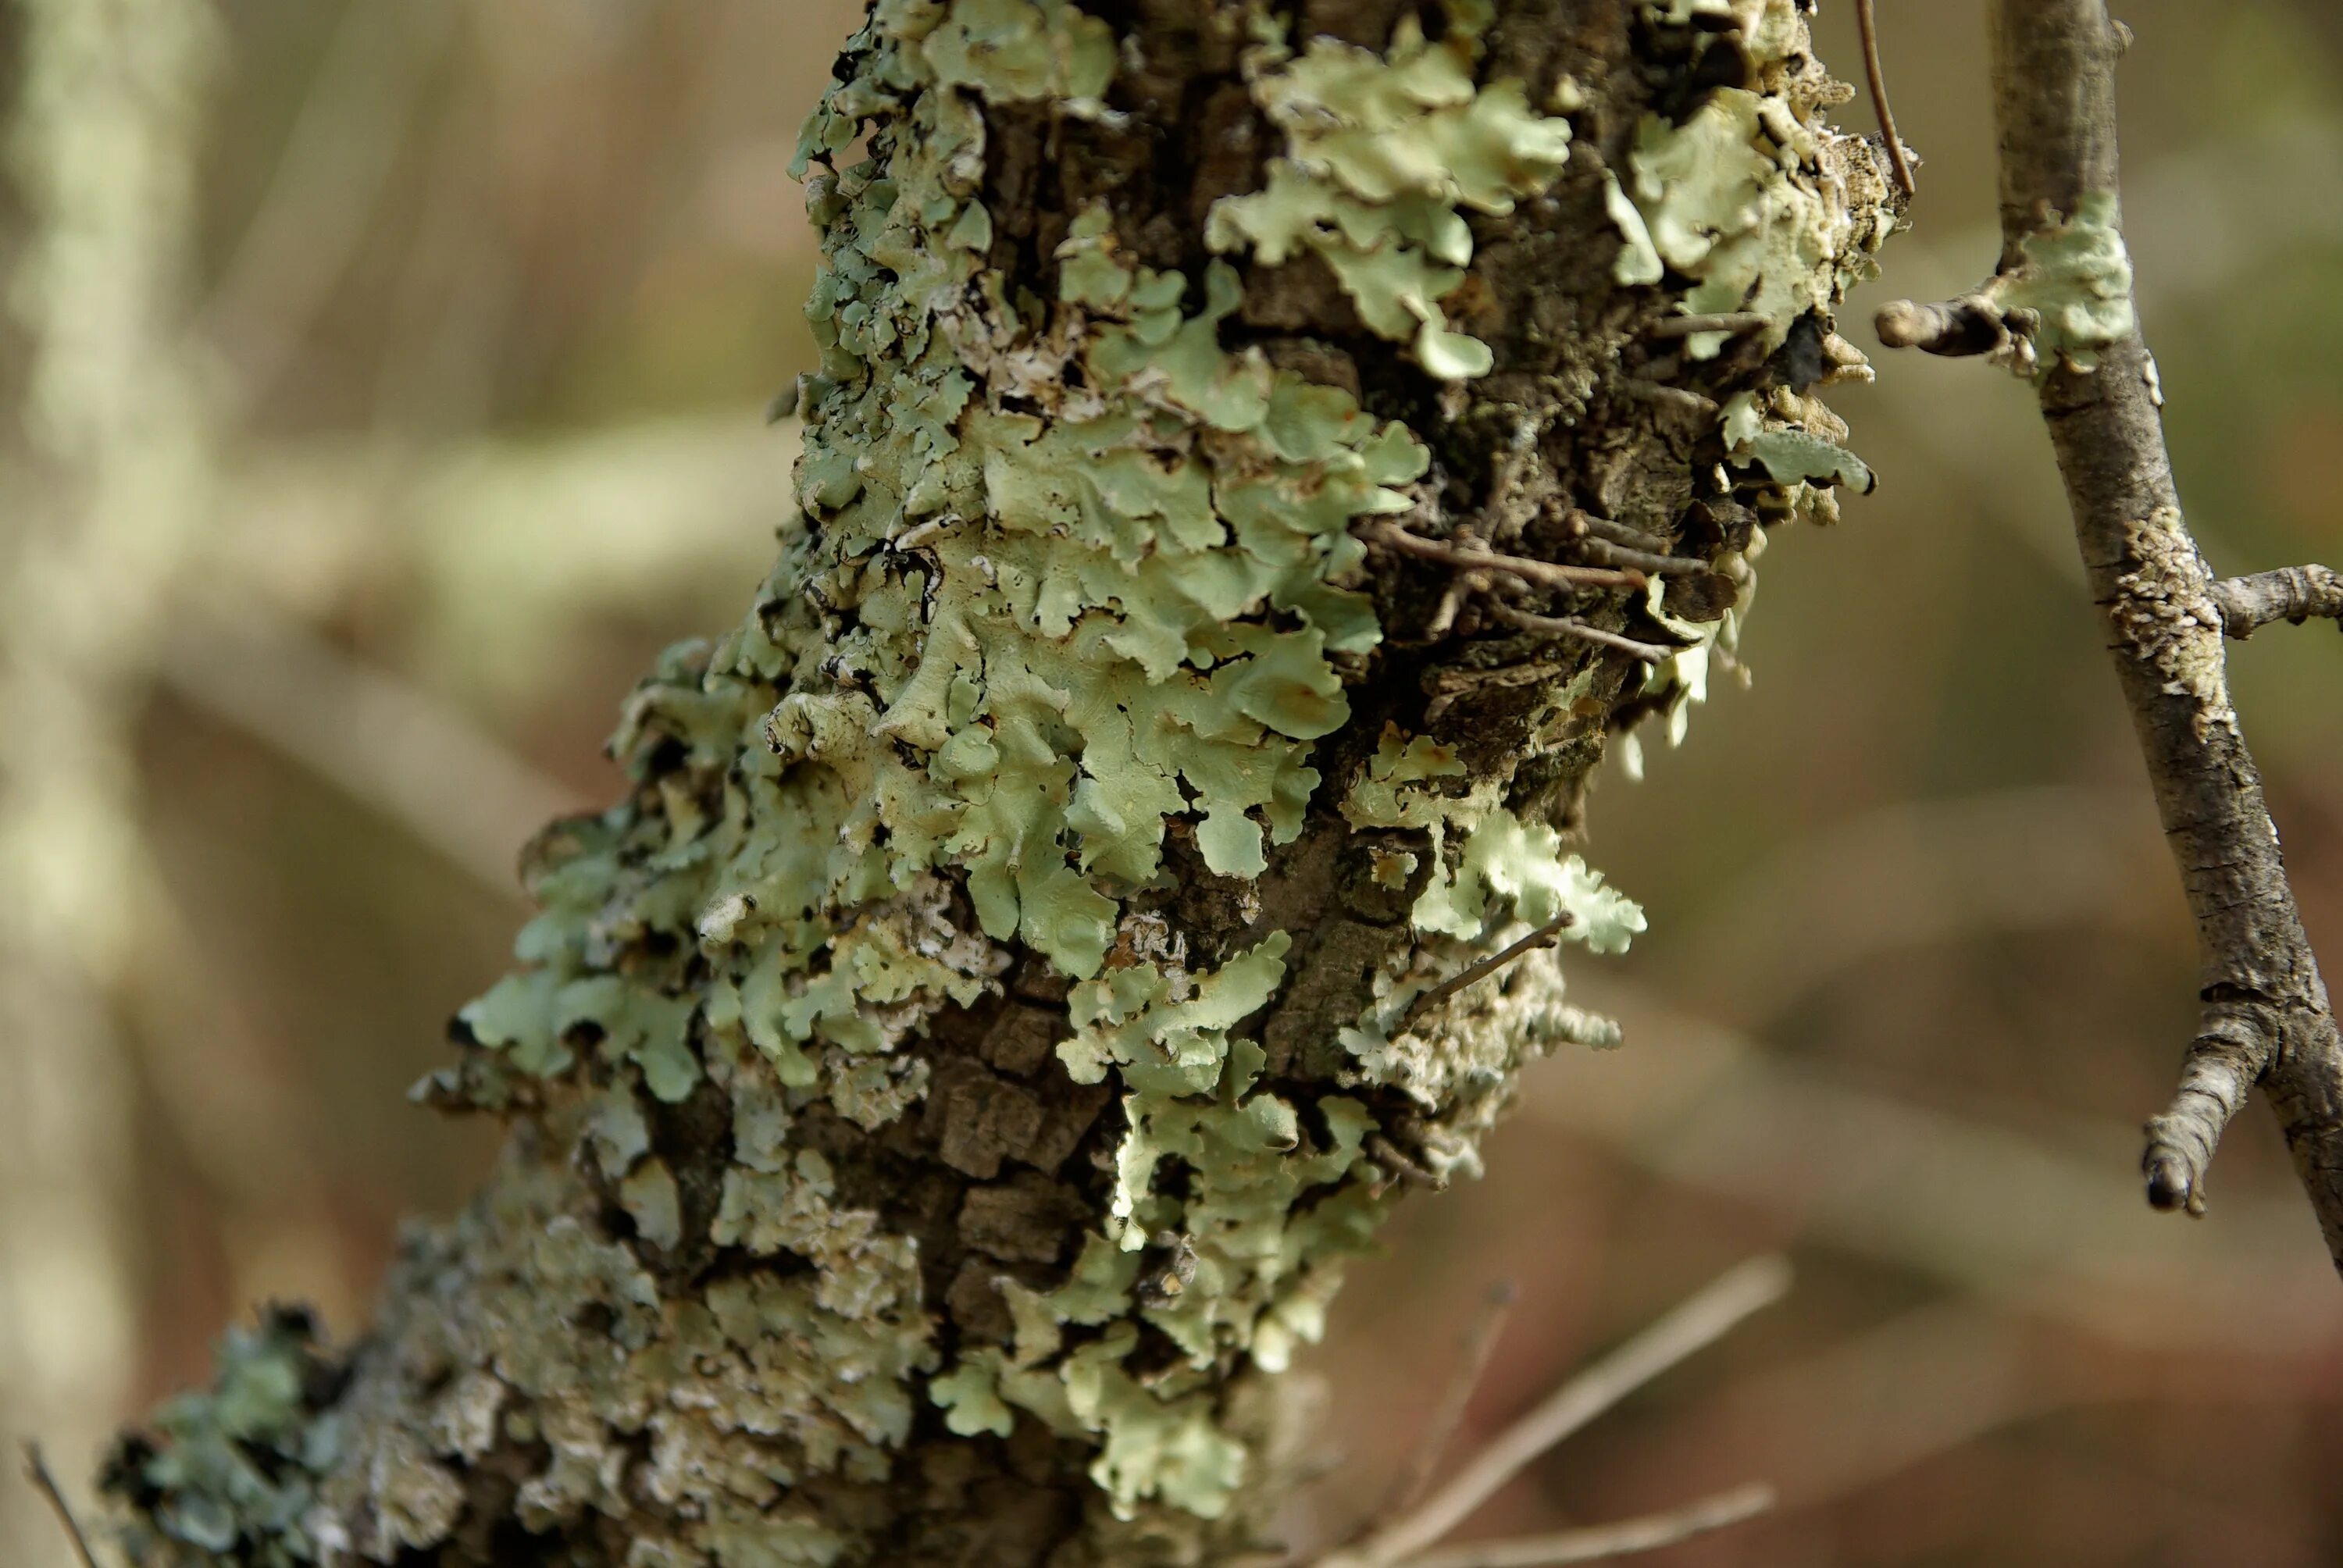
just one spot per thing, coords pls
(1601, 1543)
(1724, 321)
(1555, 626)
(1657, 563)
(1545, 936)
(1479, 558)
(2295, 594)
(1867, 25)
(1585, 522)
(1700, 1322)
(1480, 1340)
(37, 1471)
(2265, 1016)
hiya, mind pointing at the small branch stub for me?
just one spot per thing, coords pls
(1955, 328)
(2294, 594)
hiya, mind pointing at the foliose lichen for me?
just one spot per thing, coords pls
(876, 1091)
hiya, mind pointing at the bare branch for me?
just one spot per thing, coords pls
(1480, 1339)
(1555, 626)
(1585, 522)
(1657, 563)
(1865, 25)
(1691, 324)
(2290, 593)
(1700, 1322)
(2267, 1016)
(37, 1471)
(1601, 1543)
(1481, 558)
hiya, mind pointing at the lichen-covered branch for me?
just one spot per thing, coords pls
(2059, 308)
(947, 1088)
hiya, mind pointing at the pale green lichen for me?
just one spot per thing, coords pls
(1745, 198)
(1022, 645)
(1382, 151)
(2076, 277)
(1075, 583)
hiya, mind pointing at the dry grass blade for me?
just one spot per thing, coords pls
(1602, 1542)
(1480, 1340)
(1707, 1316)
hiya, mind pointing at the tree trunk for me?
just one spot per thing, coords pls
(1251, 481)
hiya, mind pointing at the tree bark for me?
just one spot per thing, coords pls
(946, 1089)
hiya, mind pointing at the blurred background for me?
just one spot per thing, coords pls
(387, 382)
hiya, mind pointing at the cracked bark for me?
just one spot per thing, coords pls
(738, 1304)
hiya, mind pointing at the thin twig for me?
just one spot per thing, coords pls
(1480, 1340)
(1658, 563)
(1601, 1543)
(1544, 937)
(1681, 399)
(37, 1471)
(1865, 25)
(2290, 593)
(1547, 574)
(1725, 321)
(2266, 1015)
(1700, 1322)
(1585, 522)
(1555, 626)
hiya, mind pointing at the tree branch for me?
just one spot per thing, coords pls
(2290, 593)
(2267, 1016)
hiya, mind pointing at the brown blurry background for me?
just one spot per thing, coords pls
(475, 309)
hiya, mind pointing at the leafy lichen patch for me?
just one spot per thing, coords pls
(1381, 150)
(998, 1006)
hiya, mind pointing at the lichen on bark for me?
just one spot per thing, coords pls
(946, 1089)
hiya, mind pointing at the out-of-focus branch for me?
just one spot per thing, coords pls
(1700, 1322)
(1480, 1342)
(1602, 1542)
(420, 764)
(2060, 301)
(2294, 594)
(116, 485)
(37, 1474)
(326, 188)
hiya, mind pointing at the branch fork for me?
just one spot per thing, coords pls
(2267, 1018)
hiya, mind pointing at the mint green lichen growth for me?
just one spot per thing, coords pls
(238, 1464)
(2077, 278)
(1028, 630)
(1006, 998)
(1744, 197)
(1381, 153)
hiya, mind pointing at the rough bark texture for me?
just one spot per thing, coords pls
(947, 1088)
(2266, 1018)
